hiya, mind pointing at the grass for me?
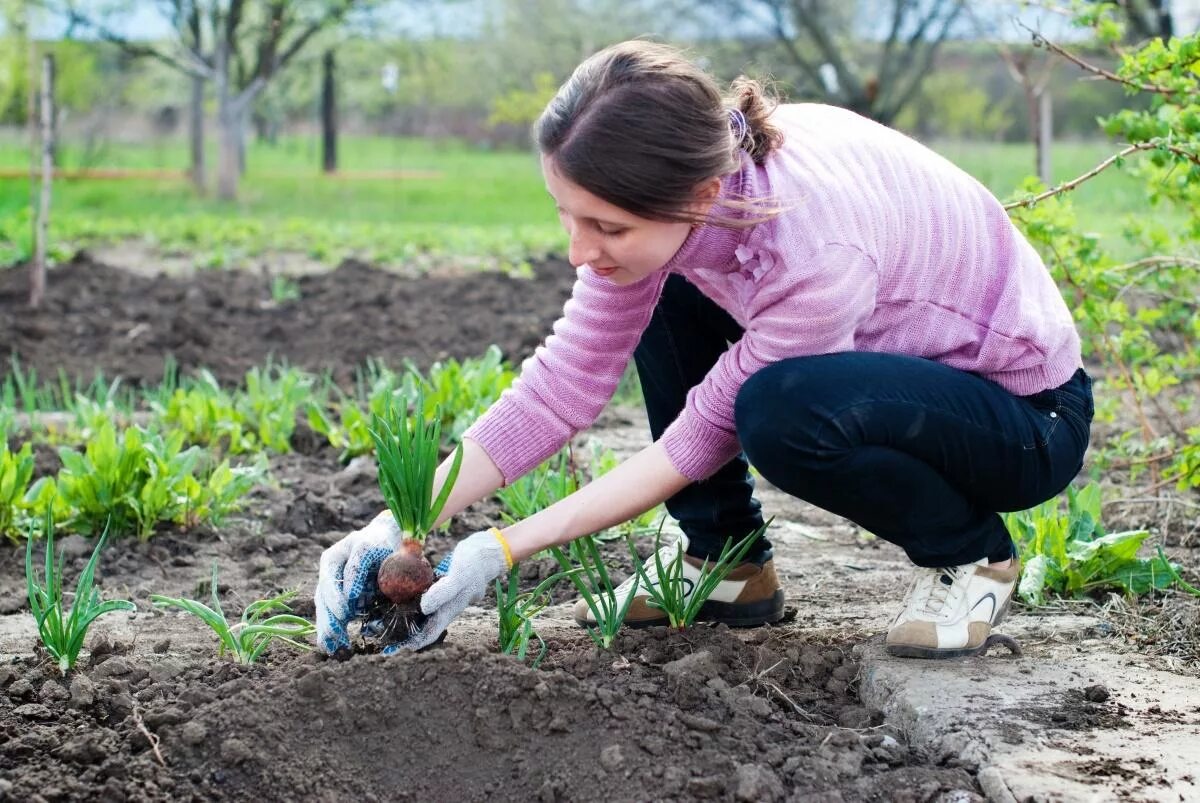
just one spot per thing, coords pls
(484, 204)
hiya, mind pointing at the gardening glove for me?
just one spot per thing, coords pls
(347, 580)
(475, 563)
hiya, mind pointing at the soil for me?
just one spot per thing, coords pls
(100, 318)
(152, 713)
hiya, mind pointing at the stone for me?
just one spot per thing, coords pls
(20, 689)
(52, 692)
(83, 692)
(82, 749)
(695, 668)
(611, 758)
(165, 670)
(278, 542)
(113, 667)
(192, 733)
(33, 711)
(754, 783)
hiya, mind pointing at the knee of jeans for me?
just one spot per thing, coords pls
(753, 412)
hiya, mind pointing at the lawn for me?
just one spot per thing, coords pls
(479, 203)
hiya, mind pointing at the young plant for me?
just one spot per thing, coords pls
(553, 480)
(269, 405)
(408, 455)
(1069, 553)
(249, 638)
(62, 631)
(16, 469)
(680, 597)
(517, 611)
(591, 579)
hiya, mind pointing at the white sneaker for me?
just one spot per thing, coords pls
(748, 596)
(951, 612)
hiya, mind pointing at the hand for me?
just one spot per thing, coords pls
(346, 583)
(476, 561)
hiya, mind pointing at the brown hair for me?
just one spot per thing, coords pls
(641, 127)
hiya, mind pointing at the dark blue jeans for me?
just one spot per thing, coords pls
(920, 454)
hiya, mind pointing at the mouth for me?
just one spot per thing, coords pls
(608, 271)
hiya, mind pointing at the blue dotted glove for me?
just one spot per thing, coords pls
(347, 580)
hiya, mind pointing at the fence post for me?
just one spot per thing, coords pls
(37, 270)
(328, 115)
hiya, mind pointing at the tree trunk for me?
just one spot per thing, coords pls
(37, 270)
(329, 116)
(228, 173)
(197, 135)
(1044, 136)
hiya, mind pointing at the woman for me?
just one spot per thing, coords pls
(802, 289)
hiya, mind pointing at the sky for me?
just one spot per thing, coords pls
(415, 18)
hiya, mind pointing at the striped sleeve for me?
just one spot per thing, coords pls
(565, 384)
(815, 310)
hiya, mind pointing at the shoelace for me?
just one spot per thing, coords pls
(933, 589)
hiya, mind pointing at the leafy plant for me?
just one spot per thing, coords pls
(15, 472)
(408, 454)
(462, 390)
(272, 398)
(680, 597)
(248, 638)
(207, 416)
(131, 483)
(517, 611)
(1068, 553)
(589, 575)
(63, 632)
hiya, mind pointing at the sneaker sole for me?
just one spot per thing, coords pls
(748, 614)
(913, 651)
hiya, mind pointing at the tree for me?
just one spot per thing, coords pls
(1148, 19)
(239, 46)
(869, 57)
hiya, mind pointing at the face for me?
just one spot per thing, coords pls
(613, 243)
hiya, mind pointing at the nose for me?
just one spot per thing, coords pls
(583, 248)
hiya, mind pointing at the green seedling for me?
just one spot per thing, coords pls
(679, 597)
(517, 611)
(550, 482)
(591, 579)
(63, 632)
(272, 398)
(16, 470)
(408, 455)
(247, 639)
(206, 415)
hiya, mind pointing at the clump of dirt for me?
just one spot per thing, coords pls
(1084, 709)
(664, 716)
(98, 318)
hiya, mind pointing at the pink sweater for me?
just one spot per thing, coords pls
(884, 246)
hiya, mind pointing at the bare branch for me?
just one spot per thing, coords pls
(1041, 41)
(1066, 186)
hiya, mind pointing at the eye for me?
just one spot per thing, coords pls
(612, 231)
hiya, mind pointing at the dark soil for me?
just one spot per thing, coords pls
(756, 715)
(97, 318)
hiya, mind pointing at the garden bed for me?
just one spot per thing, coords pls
(151, 713)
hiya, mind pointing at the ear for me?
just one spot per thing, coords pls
(705, 195)
(708, 191)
